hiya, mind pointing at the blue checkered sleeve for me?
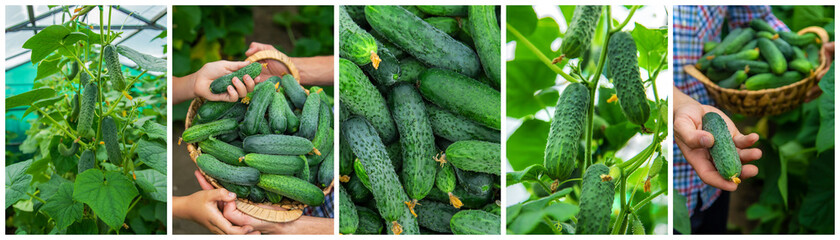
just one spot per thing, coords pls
(325, 210)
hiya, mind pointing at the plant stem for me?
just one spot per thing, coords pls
(569, 180)
(551, 225)
(521, 39)
(642, 203)
(62, 127)
(36, 197)
(626, 20)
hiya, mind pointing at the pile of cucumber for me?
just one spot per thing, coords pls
(276, 143)
(420, 114)
(759, 57)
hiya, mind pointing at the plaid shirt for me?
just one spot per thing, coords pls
(325, 210)
(693, 26)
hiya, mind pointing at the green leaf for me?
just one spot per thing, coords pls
(74, 37)
(63, 208)
(524, 79)
(561, 211)
(545, 34)
(539, 204)
(49, 188)
(522, 18)
(805, 16)
(185, 20)
(817, 212)
(526, 146)
(825, 136)
(153, 183)
(152, 153)
(609, 111)
(108, 194)
(17, 182)
(619, 134)
(154, 130)
(145, 61)
(46, 41)
(512, 211)
(652, 44)
(48, 66)
(526, 222)
(568, 12)
(43, 103)
(682, 223)
(531, 173)
(27, 98)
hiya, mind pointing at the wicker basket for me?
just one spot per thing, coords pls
(292, 210)
(766, 101)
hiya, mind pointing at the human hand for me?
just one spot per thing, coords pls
(201, 207)
(273, 68)
(210, 71)
(695, 143)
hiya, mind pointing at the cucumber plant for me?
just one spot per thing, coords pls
(98, 130)
(605, 101)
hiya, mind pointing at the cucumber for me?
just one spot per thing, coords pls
(801, 65)
(256, 195)
(293, 90)
(86, 161)
(395, 153)
(774, 57)
(357, 13)
(211, 166)
(596, 200)
(456, 128)
(223, 151)
(345, 157)
(769, 80)
(277, 110)
(275, 164)
(624, 68)
(414, 10)
(463, 96)
(799, 40)
(231, 138)
(387, 191)
(255, 116)
(708, 46)
(444, 10)
(200, 132)
(476, 156)
(476, 222)
(750, 45)
(68, 151)
(637, 227)
(325, 171)
(416, 140)
(705, 61)
(784, 47)
(767, 35)
(237, 111)
(277, 144)
(566, 129)
(475, 182)
(718, 75)
(581, 30)
(755, 67)
(74, 106)
(324, 143)
(734, 81)
(388, 71)
(382, 42)
(759, 24)
(239, 190)
(493, 208)
(410, 69)
(421, 40)
(348, 217)
(213, 110)
(356, 44)
(435, 216)
(86, 111)
(445, 182)
(470, 200)
(112, 140)
(219, 85)
(369, 221)
(309, 117)
(273, 197)
(292, 187)
(485, 31)
(84, 78)
(357, 190)
(746, 35)
(723, 151)
(749, 54)
(447, 25)
(360, 97)
(112, 62)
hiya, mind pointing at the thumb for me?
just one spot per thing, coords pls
(685, 129)
(222, 195)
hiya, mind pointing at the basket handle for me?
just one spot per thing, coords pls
(280, 57)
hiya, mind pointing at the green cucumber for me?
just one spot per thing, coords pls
(257, 194)
(784, 47)
(475, 182)
(774, 57)
(422, 40)
(112, 62)
(581, 30)
(356, 44)
(444, 10)
(278, 110)
(475, 222)
(345, 157)
(767, 35)
(746, 35)
(255, 116)
(325, 171)
(637, 227)
(275, 164)
(357, 190)
(447, 25)
(493, 208)
(445, 182)
(211, 166)
(361, 174)
(68, 151)
(759, 24)
(86, 111)
(369, 221)
(223, 151)
(723, 151)
(200, 132)
(219, 85)
(292, 187)
(565, 131)
(416, 140)
(752, 44)
(357, 13)
(596, 200)
(360, 97)
(348, 217)
(470, 200)
(734, 81)
(212, 110)
(382, 42)
(624, 68)
(717, 75)
(112, 140)
(273, 197)
(410, 69)
(799, 40)
(84, 78)
(801, 65)
(769, 80)
(476, 156)
(240, 190)
(463, 96)
(749, 54)
(293, 90)
(705, 61)
(324, 143)
(74, 106)
(388, 71)
(435, 216)
(485, 30)
(237, 111)
(755, 67)
(395, 153)
(309, 117)
(456, 128)
(708, 46)
(86, 161)
(277, 144)
(389, 194)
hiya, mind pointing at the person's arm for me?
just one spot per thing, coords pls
(695, 143)
(198, 84)
(313, 70)
(202, 208)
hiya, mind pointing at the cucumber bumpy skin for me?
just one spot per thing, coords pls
(360, 97)
(211, 166)
(581, 30)
(624, 68)
(109, 136)
(476, 222)
(349, 218)
(112, 62)
(86, 111)
(219, 85)
(723, 151)
(356, 44)
(567, 126)
(416, 139)
(596, 199)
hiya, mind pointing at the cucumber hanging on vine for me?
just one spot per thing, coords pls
(566, 129)
(581, 30)
(86, 111)
(112, 62)
(624, 68)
